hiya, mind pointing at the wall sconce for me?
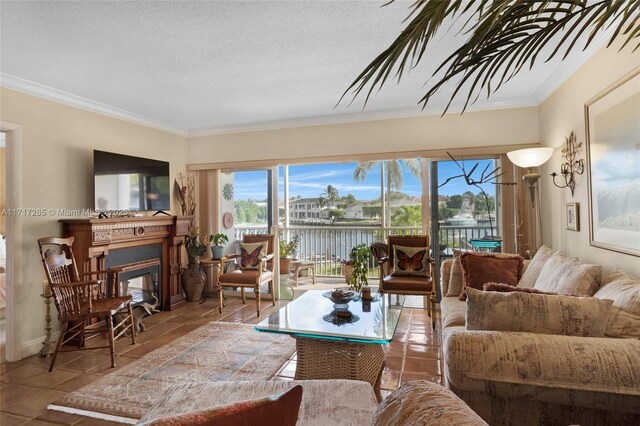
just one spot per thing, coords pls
(572, 166)
(531, 159)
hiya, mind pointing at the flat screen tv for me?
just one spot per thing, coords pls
(123, 182)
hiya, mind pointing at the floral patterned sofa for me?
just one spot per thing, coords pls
(521, 358)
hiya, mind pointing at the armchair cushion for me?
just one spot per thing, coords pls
(536, 313)
(251, 254)
(392, 283)
(481, 268)
(245, 276)
(412, 261)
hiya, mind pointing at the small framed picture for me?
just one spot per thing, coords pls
(572, 216)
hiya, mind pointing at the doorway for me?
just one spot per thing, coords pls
(465, 199)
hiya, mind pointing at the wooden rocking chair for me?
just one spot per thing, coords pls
(83, 307)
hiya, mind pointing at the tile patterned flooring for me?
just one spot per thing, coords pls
(26, 388)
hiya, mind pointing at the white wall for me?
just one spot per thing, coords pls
(561, 113)
(484, 128)
(57, 154)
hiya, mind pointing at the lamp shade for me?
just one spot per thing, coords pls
(530, 157)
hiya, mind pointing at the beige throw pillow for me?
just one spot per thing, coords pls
(455, 276)
(536, 313)
(566, 275)
(531, 273)
(624, 290)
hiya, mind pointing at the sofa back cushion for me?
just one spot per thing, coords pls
(481, 268)
(532, 272)
(566, 275)
(536, 313)
(624, 290)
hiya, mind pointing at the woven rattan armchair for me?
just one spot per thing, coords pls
(83, 308)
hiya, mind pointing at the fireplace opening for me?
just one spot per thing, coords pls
(141, 288)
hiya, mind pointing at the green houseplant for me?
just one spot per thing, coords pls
(359, 259)
(287, 250)
(217, 245)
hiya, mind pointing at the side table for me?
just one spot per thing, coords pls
(216, 268)
(302, 265)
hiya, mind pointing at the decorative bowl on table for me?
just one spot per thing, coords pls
(340, 297)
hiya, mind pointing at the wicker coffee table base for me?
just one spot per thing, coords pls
(331, 359)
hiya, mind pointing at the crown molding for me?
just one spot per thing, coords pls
(362, 116)
(45, 92)
(31, 88)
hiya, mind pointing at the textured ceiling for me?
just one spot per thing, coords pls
(221, 66)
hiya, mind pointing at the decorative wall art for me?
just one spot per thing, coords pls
(227, 191)
(613, 157)
(572, 216)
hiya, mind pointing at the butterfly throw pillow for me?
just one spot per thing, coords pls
(410, 261)
(251, 254)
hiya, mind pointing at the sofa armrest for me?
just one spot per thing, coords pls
(476, 359)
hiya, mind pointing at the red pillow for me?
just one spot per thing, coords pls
(280, 410)
(480, 268)
(506, 288)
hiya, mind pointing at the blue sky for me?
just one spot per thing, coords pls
(310, 180)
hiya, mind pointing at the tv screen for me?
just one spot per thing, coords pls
(123, 182)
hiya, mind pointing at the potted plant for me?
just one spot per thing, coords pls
(359, 259)
(287, 250)
(347, 270)
(217, 245)
(193, 278)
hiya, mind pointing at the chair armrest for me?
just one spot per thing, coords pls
(383, 260)
(267, 257)
(230, 257)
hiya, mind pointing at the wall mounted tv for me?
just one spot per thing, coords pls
(123, 182)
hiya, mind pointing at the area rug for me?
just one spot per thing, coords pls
(214, 352)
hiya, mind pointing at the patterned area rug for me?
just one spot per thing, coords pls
(212, 353)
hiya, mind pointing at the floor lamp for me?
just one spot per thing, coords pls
(531, 159)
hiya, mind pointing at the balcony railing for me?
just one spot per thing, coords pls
(328, 245)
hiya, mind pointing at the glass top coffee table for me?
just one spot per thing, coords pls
(331, 345)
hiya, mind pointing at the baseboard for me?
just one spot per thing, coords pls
(34, 346)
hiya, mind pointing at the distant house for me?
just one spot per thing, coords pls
(354, 212)
(307, 209)
(442, 200)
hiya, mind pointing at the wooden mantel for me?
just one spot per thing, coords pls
(94, 238)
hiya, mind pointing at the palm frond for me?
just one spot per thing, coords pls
(503, 38)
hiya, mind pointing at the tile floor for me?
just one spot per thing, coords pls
(26, 388)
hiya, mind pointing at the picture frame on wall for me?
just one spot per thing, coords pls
(572, 216)
(613, 166)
